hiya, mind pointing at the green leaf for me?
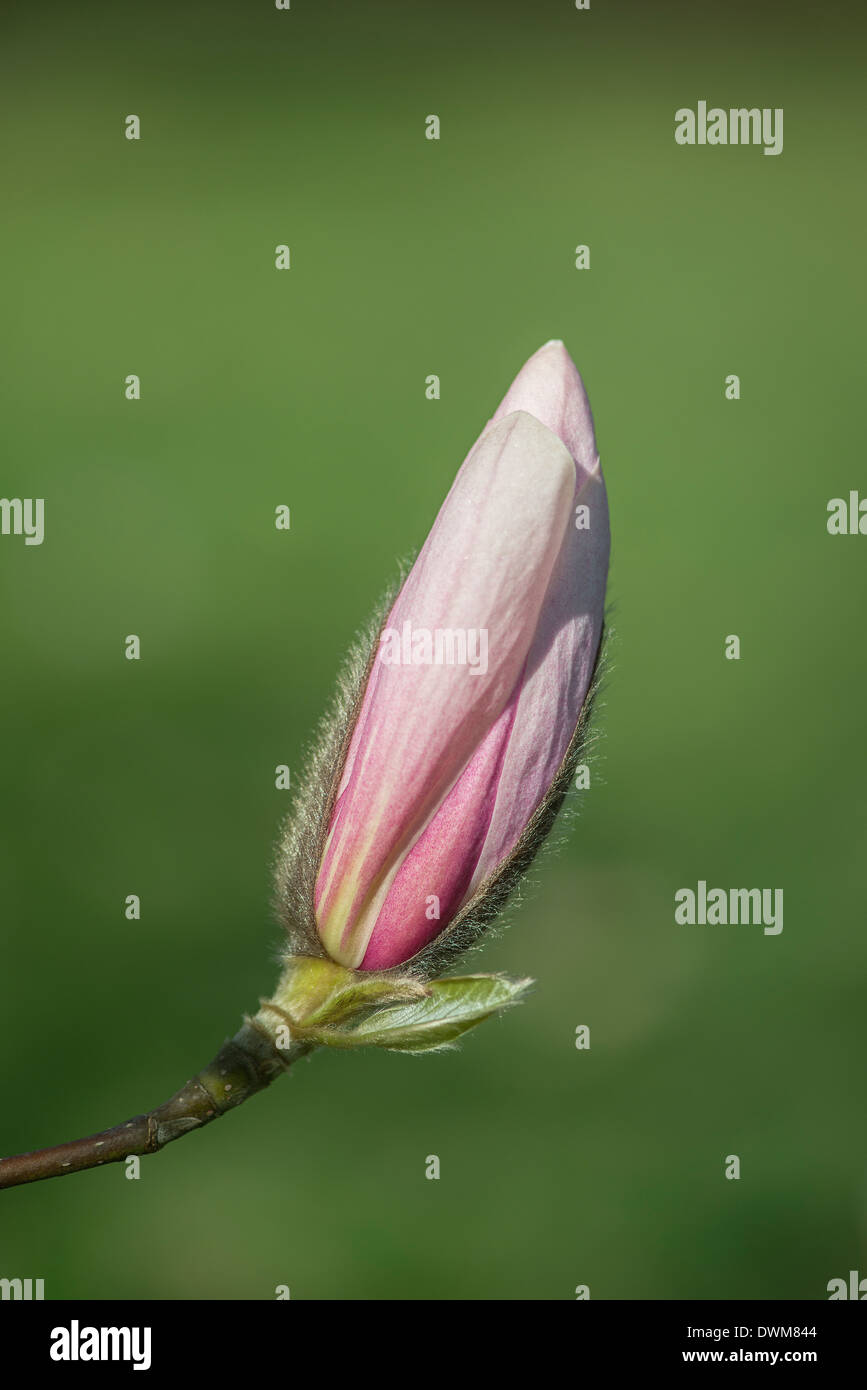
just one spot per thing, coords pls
(449, 1008)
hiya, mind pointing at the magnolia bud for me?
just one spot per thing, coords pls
(456, 743)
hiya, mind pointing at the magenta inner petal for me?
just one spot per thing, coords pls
(444, 857)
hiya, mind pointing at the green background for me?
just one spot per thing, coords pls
(306, 387)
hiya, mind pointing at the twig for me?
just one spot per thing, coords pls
(244, 1065)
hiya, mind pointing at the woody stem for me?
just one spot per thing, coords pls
(243, 1066)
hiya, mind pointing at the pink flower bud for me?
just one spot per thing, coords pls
(484, 664)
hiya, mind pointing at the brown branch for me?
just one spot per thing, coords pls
(245, 1065)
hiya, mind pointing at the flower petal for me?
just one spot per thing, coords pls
(485, 566)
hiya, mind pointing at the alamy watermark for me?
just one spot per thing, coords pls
(730, 906)
(26, 1290)
(739, 125)
(77, 1343)
(855, 1287)
(23, 516)
(441, 646)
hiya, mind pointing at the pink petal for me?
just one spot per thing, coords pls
(443, 858)
(485, 565)
(562, 656)
(557, 676)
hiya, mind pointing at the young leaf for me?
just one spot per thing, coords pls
(437, 1020)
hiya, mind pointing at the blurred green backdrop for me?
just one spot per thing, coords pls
(306, 387)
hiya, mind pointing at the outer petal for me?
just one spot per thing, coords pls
(561, 660)
(556, 680)
(485, 565)
(549, 386)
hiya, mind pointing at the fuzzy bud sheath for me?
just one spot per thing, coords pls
(431, 783)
